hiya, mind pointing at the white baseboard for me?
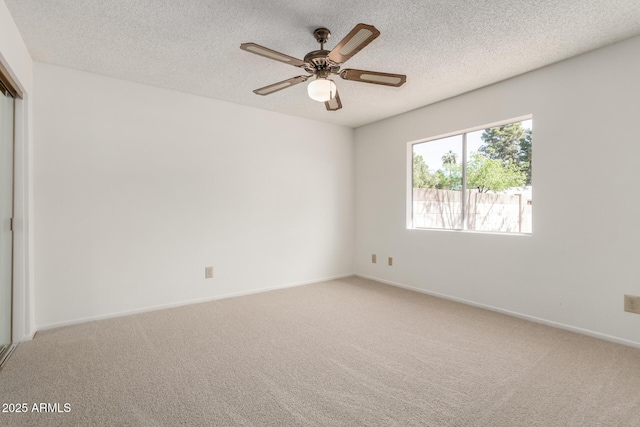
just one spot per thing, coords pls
(575, 329)
(182, 303)
(551, 323)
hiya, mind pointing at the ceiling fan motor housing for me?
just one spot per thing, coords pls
(318, 61)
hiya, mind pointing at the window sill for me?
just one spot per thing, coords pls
(497, 233)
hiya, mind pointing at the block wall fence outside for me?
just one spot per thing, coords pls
(435, 208)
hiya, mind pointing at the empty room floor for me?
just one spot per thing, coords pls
(344, 352)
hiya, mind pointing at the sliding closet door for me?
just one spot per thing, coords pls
(6, 213)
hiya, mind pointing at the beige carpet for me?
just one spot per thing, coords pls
(341, 353)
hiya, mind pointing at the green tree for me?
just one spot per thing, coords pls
(510, 143)
(488, 174)
(503, 142)
(422, 178)
(450, 158)
(525, 154)
(451, 179)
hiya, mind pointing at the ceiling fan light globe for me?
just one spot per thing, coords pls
(322, 90)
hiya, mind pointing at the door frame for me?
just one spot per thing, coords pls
(8, 91)
(19, 109)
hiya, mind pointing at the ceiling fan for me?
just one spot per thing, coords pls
(323, 63)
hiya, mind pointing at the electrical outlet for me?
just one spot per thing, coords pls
(632, 304)
(208, 272)
(374, 258)
(390, 261)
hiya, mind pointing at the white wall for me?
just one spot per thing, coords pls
(575, 268)
(15, 58)
(137, 189)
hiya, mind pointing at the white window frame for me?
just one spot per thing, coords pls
(409, 177)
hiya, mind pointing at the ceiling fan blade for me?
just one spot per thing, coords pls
(268, 90)
(334, 103)
(374, 77)
(271, 54)
(358, 38)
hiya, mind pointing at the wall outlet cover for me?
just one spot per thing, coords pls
(632, 304)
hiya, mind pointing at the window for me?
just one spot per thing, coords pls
(478, 180)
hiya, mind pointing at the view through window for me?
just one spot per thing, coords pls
(477, 181)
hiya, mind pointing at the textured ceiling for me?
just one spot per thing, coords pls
(446, 47)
